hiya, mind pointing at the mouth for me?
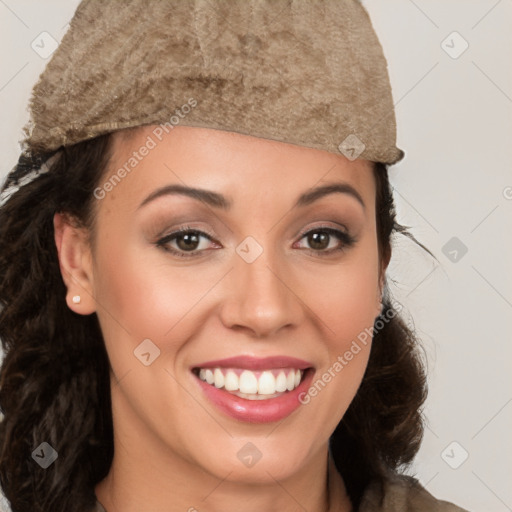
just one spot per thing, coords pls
(252, 385)
(255, 390)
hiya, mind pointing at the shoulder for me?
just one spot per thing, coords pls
(402, 493)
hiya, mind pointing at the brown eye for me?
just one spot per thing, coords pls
(320, 240)
(184, 241)
(187, 241)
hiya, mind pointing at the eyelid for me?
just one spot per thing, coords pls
(185, 229)
(204, 231)
(337, 227)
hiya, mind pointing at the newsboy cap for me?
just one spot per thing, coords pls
(305, 72)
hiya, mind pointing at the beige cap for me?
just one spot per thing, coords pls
(305, 72)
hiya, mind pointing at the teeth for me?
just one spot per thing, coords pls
(290, 381)
(281, 382)
(267, 384)
(253, 385)
(230, 382)
(218, 378)
(297, 377)
(248, 382)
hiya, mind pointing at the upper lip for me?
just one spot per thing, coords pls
(257, 363)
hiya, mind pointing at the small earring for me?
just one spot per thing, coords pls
(76, 299)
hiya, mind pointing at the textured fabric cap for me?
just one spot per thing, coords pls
(310, 73)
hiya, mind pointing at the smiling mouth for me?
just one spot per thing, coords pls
(253, 385)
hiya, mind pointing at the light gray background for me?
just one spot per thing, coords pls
(455, 125)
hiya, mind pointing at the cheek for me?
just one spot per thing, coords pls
(139, 296)
(344, 302)
(345, 296)
(144, 294)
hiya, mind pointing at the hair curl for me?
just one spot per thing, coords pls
(54, 378)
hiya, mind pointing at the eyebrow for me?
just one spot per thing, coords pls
(217, 200)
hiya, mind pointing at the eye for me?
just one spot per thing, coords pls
(321, 240)
(185, 240)
(188, 242)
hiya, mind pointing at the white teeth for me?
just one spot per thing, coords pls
(219, 378)
(230, 382)
(266, 384)
(248, 382)
(281, 382)
(259, 385)
(290, 381)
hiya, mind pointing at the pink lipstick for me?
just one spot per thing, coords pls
(255, 390)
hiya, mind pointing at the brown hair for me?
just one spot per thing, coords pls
(54, 379)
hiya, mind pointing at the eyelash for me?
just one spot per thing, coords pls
(346, 239)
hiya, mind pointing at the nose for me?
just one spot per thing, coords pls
(261, 297)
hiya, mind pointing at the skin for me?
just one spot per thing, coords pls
(174, 450)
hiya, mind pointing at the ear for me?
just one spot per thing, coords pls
(75, 263)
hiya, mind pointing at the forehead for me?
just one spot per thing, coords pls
(239, 166)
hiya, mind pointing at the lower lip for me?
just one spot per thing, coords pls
(257, 411)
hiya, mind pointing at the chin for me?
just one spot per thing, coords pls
(255, 460)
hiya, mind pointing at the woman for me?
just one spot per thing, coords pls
(192, 273)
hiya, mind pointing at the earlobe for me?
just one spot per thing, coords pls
(75, 263)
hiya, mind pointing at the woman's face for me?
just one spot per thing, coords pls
(257, 278)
